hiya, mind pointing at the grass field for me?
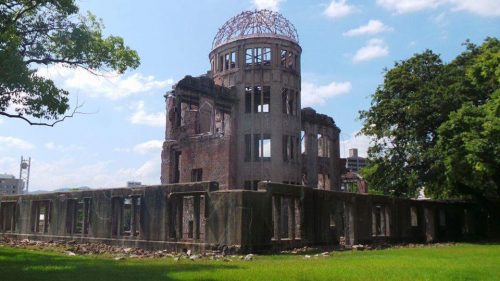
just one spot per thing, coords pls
(456, 262)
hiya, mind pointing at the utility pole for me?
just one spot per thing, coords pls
(24, 173)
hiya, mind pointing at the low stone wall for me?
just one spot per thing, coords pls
(199, 216)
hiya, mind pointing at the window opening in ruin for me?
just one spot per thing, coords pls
(283, 56)
(291, 103)
(285, 147)
(233, 60)
(266, 147)
(177, 166)
(188, 217)
(251, 184)
(257, 99)
(413, 216)
(266, 56)
(442, 218)
(248, 99)
(262, 147)
(249, 56)
(212, 66)
(196, 175)
(221, 63)
(127, 216)
(302, 142)
(266, 100)
(298, 218)
(290, 60)
(41, 216)
(257, 56)
(332, 218)
(78, 216)
(380, 221)
(8, 216)
(226, 61)
(248, 147)
(284, 100)
(285, 208)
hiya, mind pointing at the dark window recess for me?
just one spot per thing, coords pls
(285, 148)
(283, 56)
(177, 166)
(284, 100)
(251, 184)
(257, 99)
(40, 216)
(196, 175)
(8, 216)
(226, 61)
(127, 216)
(248, 56)
(266, 56)
(266, 100)
(221, 63)
(248, 99)
(233, 60)
(248, 148)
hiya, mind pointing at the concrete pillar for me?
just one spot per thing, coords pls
(430, 225)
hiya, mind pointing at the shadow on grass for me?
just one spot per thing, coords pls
(16, 264)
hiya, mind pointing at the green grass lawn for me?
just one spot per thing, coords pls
(457, 262)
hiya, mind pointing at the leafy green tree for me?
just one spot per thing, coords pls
(469, 143)
(407, 110)
(36, 33)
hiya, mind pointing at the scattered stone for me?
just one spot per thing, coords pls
(69, 253)
(119, 258)
(176, 258)
(194, 257)
(188, 252)
(248, 257)
(358, 247)
(307, 256)
(127, 250)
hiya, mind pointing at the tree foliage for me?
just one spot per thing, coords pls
(38, 33)
(408, 114)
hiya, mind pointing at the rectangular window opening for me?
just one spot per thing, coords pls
(196, 175)
(266, 100)
(414, 216)
(8, 216)
(257, 56)
(233, 60)
(257, 99)
(266, 56)
(249, 57)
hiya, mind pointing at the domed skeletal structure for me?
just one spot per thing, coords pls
(258, 23)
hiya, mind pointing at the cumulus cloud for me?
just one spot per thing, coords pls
(371, 28)
(339, 9)
(488, 8)
(142, 117)
(361, 142)
(148, 147)
(267, 4)
(313, 94)
(15, 143)
(375, 48)
(110, 85)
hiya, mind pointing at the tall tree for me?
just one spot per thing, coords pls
(407, 110)
(35, 33)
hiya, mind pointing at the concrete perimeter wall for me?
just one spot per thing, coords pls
(199, 216)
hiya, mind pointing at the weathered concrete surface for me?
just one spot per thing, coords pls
(199, 216)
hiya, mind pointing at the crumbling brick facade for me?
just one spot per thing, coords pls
(242, 122)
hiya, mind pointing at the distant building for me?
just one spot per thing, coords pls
(134, 183)
(10, 185)
(354, 163)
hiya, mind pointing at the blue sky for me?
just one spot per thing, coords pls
(346, 45)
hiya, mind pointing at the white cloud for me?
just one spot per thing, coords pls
(62, 148)
(313, 94)
(141, 117)
(339, 9)
(371, 28)
(68, 172)
(267, 4)
(9, 165)
(488, 8)
(361, 142)
(110, 85)
(1, 121)
(375, 48)
(408, 6)
(15, 143)
(148, 147)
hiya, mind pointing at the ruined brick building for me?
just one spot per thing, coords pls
(236, 136)
(242, 122)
